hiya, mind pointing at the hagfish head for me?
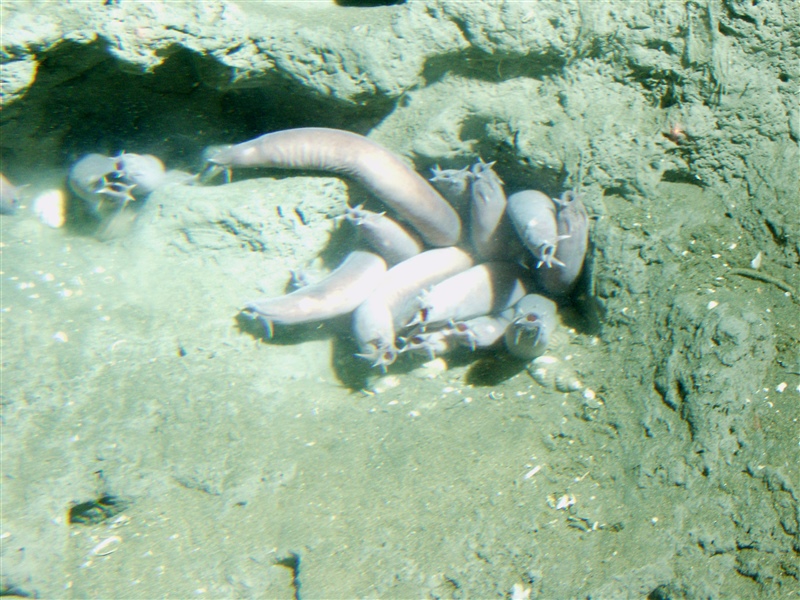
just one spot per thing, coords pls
(533, 215)
(380, 354)
(529, 326)
(432, 343)
(532, 325)
(452, 183)
(102, 180)
(526, 338)
(251, 311)
(356, 214)
(483, 171)
(545, 252)
(92, 176)
(481, 332)
(217, 160)
(573, 241)
(466, 335)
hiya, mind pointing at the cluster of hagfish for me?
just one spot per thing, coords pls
(422, 287)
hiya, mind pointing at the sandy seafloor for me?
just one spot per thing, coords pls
(236, 466)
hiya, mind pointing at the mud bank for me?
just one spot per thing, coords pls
(208, 461)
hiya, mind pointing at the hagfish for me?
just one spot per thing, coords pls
(532, 324)
(89, 178)
(394, 302)
(346, 153)
(96, 178)
(573, 233)
(490, 230)
(533, 215)
(482, 332)
(144, 171)
(487, 288)
(386, 236)
(337, 294)
(477, 333)
(432, 343)
(453, 184)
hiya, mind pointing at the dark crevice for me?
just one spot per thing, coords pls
(665, 88)
(494, 68)
(735, 14)
(777, 236)
(86, 100)
(96, 511)
(292, 562)
(680, 176)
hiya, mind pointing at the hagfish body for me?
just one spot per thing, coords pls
(490, 231)
(394, 302)
(386, 236)
(342, 152)
(481, 290)
(339, 293)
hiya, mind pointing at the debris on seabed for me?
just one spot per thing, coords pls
(384, 384)
(51, 208)
(107, 546)
(431, 369)
(532, 472)
(562, 503)
(520, 592)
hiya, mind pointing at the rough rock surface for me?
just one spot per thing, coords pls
(249, 468)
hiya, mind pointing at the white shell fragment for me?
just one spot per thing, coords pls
(107, 546)
(563, 502)
(590, 398)
(532, 472)
(50, 207)
(520, 592)
(756, 262)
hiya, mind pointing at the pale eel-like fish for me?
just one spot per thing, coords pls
(342, 152)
